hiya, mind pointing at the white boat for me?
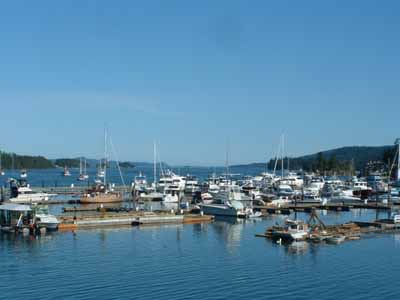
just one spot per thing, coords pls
(340, 197)
(82, 170)
(24, 173)
(293, 230)
(171, 194)
(191, 184)
(2, 173)
(66, 172)
(43, 218)
(230, 208)
(285, 190)
(140, 183)
(337, 239)
(23, 194)
(207, 198)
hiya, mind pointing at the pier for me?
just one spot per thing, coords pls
(134, 218)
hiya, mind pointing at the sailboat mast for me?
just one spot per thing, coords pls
(105, 157)
(227, 160)
(283, 151)
(155, 164)
(398, 159)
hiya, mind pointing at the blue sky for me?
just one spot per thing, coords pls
(196, 74)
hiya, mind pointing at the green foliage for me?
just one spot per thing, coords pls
(68, 162)
(12, 160)
(126, 164)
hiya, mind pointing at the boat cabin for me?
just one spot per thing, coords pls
(15, 215)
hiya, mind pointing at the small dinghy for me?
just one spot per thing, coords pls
(337, 239)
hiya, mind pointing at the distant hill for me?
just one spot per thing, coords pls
(357, 156)
(360, 155)
(15, 161)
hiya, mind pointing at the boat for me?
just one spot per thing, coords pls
(207, 198)
(140, 183)
(293, 230)
(171, 194)
(229, 208)
(82, 170)
(24, 173)
(100, 193)
(14, 216)
(191, 184)
(2, 173)
(44, 219)
(22, 193)
(342, 198)
(66, 172)
(336, 239)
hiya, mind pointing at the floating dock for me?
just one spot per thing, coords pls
(101, 219)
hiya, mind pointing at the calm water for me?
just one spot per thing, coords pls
(53, 177)
(221, 260)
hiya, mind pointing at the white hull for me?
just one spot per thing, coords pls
(221, 210)
(31, 198)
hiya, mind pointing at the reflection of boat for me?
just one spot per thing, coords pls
(229, 208)
(22, 193)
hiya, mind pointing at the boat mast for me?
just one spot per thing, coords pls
(105, 157)
(227, 160)
(155, 165)
(283, 151)
(397, 142)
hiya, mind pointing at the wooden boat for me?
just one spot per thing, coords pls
(99, 194)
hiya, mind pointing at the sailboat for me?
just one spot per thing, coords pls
(82, 170)
(100, 193)
(2, 173)
(151, 192)
(66, 172)
(100, 171)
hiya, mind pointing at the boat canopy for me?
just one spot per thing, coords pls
(15, 207)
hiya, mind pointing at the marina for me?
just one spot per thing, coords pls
(187, 150)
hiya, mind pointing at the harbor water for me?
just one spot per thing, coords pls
(219, 260)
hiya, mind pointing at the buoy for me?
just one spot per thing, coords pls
(201, 213)
(279, 241)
